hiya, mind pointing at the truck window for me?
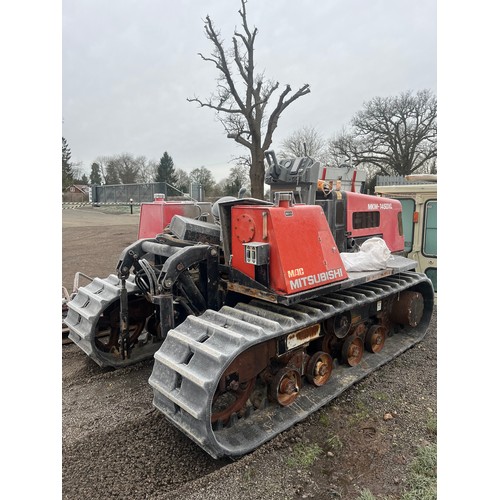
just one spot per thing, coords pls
(363, 220)
(430, 230)
(408, 207)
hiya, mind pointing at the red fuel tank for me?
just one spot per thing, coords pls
(294, 240)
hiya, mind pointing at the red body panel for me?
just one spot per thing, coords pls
(302, 251)
(157, 215)
(389, 227)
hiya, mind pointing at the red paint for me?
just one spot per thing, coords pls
(388, 209)
(303, 253)
(353, 182)
(157, 215)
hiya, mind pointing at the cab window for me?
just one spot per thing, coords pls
(430, 229)
(364, 220)
(408, 207)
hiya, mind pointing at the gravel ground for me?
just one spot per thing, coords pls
(116, 445)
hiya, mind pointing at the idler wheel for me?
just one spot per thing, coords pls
(231, 400)
(375, 338)
(339, 325)
(319, 368)
(285, 386)
(352, 351)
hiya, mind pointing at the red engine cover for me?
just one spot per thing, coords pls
(302, 251)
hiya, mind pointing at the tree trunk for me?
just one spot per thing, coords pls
(257, 174)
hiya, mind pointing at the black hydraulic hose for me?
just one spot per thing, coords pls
(147, 271)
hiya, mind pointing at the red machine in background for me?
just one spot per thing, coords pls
(352, 217)
(156, 216)
(252, 319)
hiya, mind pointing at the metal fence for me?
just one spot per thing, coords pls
(395, 180)
(123, 193)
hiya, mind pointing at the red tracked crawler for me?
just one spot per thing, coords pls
(253, 322)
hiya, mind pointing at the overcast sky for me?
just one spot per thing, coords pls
(129, 66)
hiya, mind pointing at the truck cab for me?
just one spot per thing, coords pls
(419, 202)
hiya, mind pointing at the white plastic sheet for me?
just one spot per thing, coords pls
(373, 255)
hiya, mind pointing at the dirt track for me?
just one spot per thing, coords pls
(116, 445)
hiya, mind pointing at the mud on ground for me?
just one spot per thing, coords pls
(117, 445)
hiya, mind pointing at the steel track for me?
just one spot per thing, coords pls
(84, 312)
(195, 354)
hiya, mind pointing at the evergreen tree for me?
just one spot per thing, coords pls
(166, 171)
(67, 171)
(85, 180)
(95, 174)
(112, 174)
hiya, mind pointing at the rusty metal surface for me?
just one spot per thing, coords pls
(407, 309)
(285, 386)
(303, 336)
(352, 350)
(319, 368)
(375, 338)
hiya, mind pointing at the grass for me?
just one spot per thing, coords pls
(432, 425)
(362, 413)
(324, 420)
(422, 479)
(334, 442)
(304, 455)
(366, 495)
(380, 396)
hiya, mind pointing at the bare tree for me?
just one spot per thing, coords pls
(182, 180)
(120, 169)
(146, 169)
(243, 96)
(306, 141)
(204, 177)
(238, 179)
(397, 135)
(342, 148)
(78, 171)
(101, 162)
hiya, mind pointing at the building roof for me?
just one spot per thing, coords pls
(82, 188)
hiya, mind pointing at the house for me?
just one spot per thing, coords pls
(76, 193)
